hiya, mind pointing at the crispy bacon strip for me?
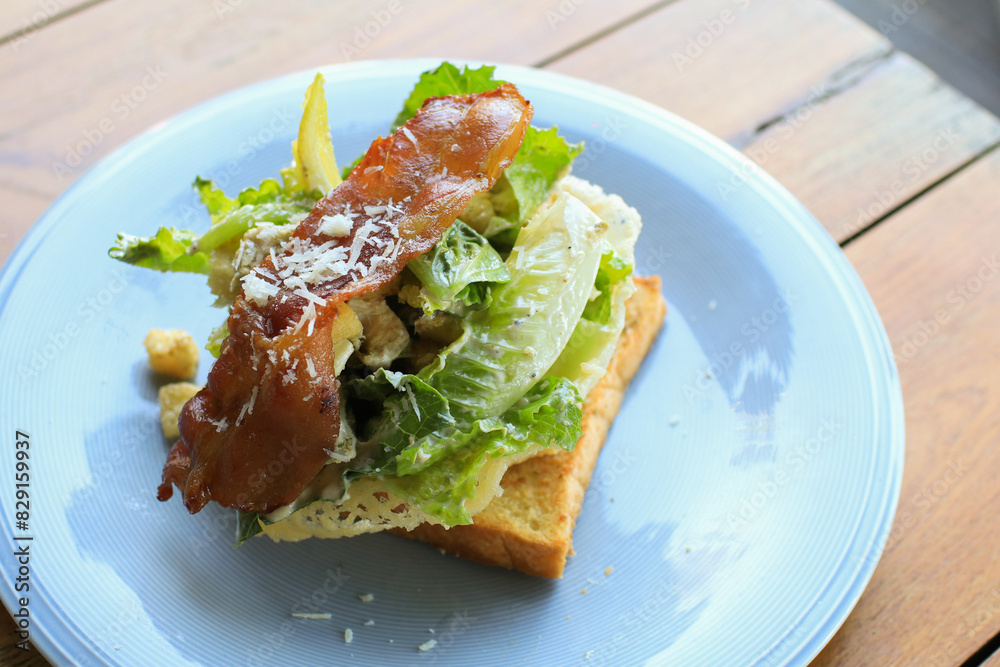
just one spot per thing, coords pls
(258, 432)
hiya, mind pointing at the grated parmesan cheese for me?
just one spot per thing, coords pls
(253, 400)
(413, 139)
(308, 317)
(248, 406)
(309, 296)
(392, 209)
(335, 225)
(303, 265)
(257, 289)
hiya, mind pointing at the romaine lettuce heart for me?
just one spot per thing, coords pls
(507, 348)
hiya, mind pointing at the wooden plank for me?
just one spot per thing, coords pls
(933, 274)
(854, 130)
(90, 82)
(27, 16)
(960, 41)
(729, 65)
(859, 155)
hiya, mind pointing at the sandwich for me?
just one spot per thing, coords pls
(433, 341)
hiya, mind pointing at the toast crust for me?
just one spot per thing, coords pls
(530, 526)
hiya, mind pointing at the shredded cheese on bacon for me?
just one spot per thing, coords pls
(394, 206)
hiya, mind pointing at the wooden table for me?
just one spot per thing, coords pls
(900, 169)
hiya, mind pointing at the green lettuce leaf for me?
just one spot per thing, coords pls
(215, 339)
(506, 348)
(216, 201)
(167, 250)
(446, 79)
(432, 460)
(439, 473)
(612, 271)
(247, 526)
(269, 202)
(543, 156)
(412, 410)
(236, 223)
(484, 395)
(459, 268)
(589, 350)
(181, 250)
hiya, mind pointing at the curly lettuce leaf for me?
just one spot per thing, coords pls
(432, 459)
(457, 271)
(216, 201)
(236, 223)
(446, 79)
(612, 271)
(439, 473)
(412, 410)
(167, 250)
(544, 155)
(181, 250)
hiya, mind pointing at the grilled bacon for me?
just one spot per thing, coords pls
(260, 430)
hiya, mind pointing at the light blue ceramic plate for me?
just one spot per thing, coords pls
(742, 499)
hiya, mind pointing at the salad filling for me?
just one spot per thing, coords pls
(437, 315)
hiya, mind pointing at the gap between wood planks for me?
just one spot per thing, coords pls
(604, 32)
(985, 652)
(58, 16)
(914, 199)
(840, 81)
(845, 78)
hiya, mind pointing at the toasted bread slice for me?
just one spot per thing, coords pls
(530, 526)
